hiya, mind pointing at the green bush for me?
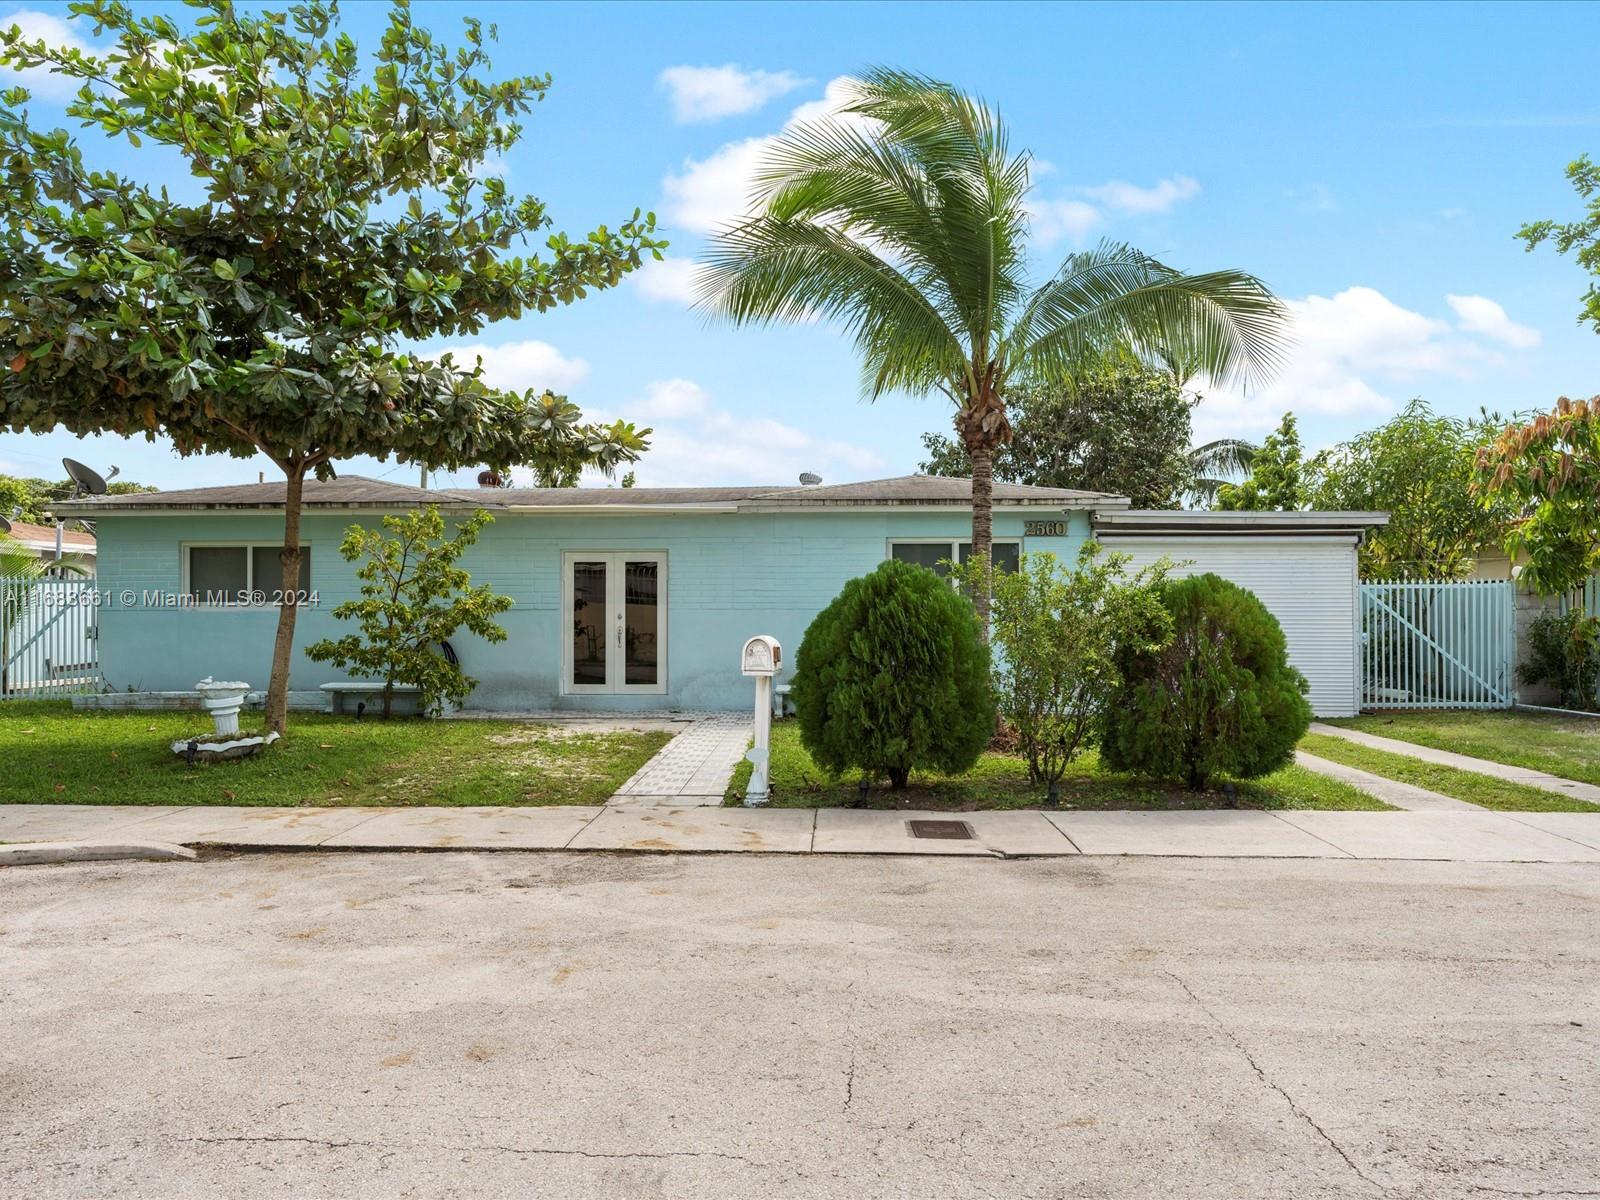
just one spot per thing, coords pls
(1219, 699)
(1563, 652)
(892, 677)
(1058, 633)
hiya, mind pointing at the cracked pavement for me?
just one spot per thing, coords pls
(466, 1025)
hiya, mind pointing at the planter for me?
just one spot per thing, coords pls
(196, 750)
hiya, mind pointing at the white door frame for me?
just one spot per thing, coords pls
(615, 621)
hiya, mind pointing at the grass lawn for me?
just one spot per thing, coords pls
(53, 755)
(1500, 794)
(1564, 746)
(1001, 781)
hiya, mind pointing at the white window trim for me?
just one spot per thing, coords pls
(953, 543)
(185, 591)
(663, 619)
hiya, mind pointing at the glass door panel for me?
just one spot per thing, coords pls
(590, 624)
(641, 620)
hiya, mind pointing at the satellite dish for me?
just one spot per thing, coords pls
(85, 480)
(810, 479)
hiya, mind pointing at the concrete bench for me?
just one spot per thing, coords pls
(407, 696)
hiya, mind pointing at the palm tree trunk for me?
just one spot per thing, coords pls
(288, 604)
(983, 529)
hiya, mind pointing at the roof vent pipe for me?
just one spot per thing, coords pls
(809, 479)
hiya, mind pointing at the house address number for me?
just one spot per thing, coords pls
(1044, 529)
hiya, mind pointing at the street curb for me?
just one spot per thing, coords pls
(25, 854)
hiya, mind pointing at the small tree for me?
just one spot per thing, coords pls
(1274, 483)
(1548, 471)
(413, 597)
(891, 677)
(1219, 698)
(1564, 652)
(1059, 635)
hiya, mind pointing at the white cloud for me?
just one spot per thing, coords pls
(714, 191)
(1481, 315)
(1357, 353)
(696, 442)
(670, 279)
(1073, 220)
(518, 366)
(1053, 220)
(52, 29)
(1129, 198)
(671, 399)
(709, 93)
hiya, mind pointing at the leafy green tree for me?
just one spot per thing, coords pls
(1218, 698)
(1276, 480)
(341, 208)
(892, 677)
(905, 221)
(1418, 468)
(1564, 652)
(413, 597)
(1060, 635)
(1579, 238)
(1122, 428)
(1546, 472)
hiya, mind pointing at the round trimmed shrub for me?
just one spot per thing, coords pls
(892, 677)
(1219, 699)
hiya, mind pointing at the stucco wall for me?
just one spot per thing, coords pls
(728, 576)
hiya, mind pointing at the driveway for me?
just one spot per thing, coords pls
(445, 1025)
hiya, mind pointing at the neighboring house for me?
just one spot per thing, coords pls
(641, 598)
(77, 547)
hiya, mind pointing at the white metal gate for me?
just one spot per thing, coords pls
(1438, 645)
(48, 643)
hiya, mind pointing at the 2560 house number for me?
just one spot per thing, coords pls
(1044, 529)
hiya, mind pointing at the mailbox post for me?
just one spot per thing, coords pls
(762, 659)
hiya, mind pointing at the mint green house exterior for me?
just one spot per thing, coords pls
(623, 600)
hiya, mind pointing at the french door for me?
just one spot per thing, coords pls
(614, 610)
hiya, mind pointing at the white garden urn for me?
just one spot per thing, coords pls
(223, 701)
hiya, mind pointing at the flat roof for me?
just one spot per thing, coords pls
(1149, 522)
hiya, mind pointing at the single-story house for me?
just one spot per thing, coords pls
(77, 548)
(641, 598)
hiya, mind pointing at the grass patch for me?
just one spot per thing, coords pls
(1499, 794)
(1564, 746)
(53, 755)
(1001, 781)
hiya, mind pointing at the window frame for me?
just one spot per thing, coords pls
(954, 544)
(186, 592)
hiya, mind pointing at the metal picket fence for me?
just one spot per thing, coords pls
(48, 638)
(1438, 645)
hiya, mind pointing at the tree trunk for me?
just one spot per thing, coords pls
(983, 529)
(289, 602)
(899, 777)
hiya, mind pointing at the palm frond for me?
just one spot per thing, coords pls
(1224, 456)
(1225, 323)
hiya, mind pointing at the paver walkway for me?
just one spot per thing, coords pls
(1465, 762)
(1391, 791)
(1233, 833)
(693, 768)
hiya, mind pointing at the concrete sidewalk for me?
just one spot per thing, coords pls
(1465, 762)
(1466, 836)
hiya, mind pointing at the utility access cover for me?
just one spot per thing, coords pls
(949, 830)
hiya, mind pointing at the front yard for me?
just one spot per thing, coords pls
(1001, 781)
(1564, 746)
(53, 755)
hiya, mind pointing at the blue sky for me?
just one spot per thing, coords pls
(1370, 162)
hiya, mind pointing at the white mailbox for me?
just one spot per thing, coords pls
(762, 659)
(762, 656)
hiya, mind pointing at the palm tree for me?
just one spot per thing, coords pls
(904, 219)
(1215, 464)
